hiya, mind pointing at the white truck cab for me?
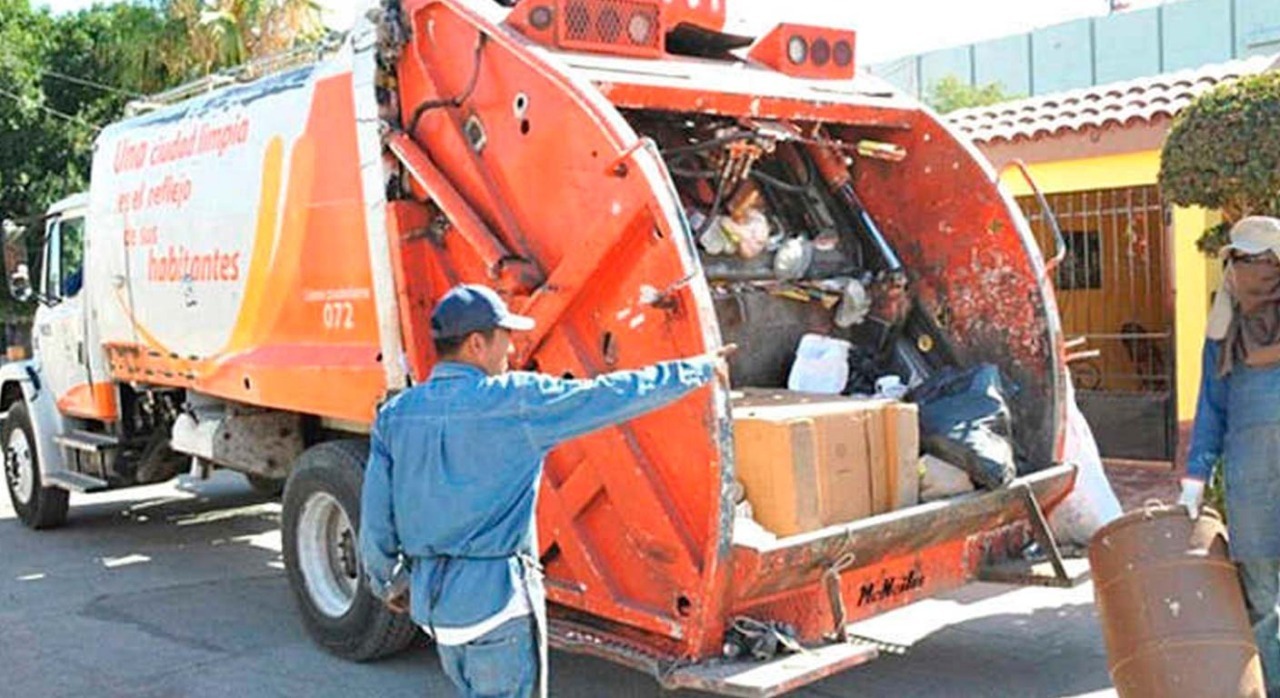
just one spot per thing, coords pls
(59, 330)
(68, 426)
(32, 390)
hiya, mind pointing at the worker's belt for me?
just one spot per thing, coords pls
(527, 561)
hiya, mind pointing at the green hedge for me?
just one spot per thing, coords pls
(1224, 150)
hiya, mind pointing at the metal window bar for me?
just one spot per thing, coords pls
(1114, 292)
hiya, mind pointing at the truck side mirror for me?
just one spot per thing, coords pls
(20, 284)
(13, 244)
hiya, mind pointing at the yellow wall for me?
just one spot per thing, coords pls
(1195, 276)
(1129, 170)
(1215, 268)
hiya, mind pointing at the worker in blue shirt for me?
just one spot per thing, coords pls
(447, 527)
(1238, 421)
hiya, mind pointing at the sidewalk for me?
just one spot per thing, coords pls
(1136, 485)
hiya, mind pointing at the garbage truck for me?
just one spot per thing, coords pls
(252, 272)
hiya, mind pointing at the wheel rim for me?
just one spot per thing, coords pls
(19, 467)
(327, 555)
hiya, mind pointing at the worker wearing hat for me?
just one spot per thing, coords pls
(1238, 421)
(447, 526)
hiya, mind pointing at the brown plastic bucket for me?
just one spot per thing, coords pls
(1172, 611)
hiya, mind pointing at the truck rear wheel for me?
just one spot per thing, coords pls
(321, 554)
(37, 506)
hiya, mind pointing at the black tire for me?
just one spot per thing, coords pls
(366, 630)
(47, 506)
(267, 486)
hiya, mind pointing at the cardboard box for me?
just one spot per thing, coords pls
(811, 461)
(903, 439)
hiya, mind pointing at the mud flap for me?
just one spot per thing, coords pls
(752, 679)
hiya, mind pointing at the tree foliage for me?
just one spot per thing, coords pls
(1224, 150)
(951, 93)
(63, 77)
(230, 32)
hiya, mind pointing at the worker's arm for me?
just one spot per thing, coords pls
(379, 542)
(559, 410)
(1210, 426)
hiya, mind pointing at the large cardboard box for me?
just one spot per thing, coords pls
(811, 461)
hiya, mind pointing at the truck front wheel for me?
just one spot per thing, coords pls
(321, 553)
(37, 506)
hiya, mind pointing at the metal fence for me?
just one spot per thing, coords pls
(1114, 288)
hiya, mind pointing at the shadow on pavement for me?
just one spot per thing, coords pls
(179, 590)
(1047, 653)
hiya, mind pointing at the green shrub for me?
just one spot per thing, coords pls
(1214, 238)
(951, 93)
(1224, 150)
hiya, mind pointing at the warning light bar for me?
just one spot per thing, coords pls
(622, 27)
(808, 52)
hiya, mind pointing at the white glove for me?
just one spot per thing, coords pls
(1192, 496)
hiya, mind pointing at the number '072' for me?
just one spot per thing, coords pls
(339, 316)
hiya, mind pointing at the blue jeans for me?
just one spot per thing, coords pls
(1261, 580)
(500, 664)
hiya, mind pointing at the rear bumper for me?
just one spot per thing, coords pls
(890, 560)
(893, 559)
(748, 679)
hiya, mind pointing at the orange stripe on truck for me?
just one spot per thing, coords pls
(305, 336)
(90, 401)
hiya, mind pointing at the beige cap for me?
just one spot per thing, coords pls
(1255, 235)
(1252, 235)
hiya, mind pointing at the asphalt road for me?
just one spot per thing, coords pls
(179, 590)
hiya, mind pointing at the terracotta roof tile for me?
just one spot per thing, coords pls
(1121, 103)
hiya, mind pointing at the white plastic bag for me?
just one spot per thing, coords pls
(793, 259)
(821, 365)
(942, 480)
(1093, 503)
(751, 236)
(891, 387)
(855, 305)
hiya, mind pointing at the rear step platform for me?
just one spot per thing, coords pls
(753, 679)
(87, 441)
(76, 482)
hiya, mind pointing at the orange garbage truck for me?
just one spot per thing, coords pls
(253, 268)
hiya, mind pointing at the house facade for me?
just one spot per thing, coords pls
(1133, 286)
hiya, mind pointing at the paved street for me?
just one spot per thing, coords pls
(179, 590)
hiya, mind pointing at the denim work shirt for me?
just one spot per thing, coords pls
(453, 474)
(1238, 419)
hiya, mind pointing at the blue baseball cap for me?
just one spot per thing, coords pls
(471, 308)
